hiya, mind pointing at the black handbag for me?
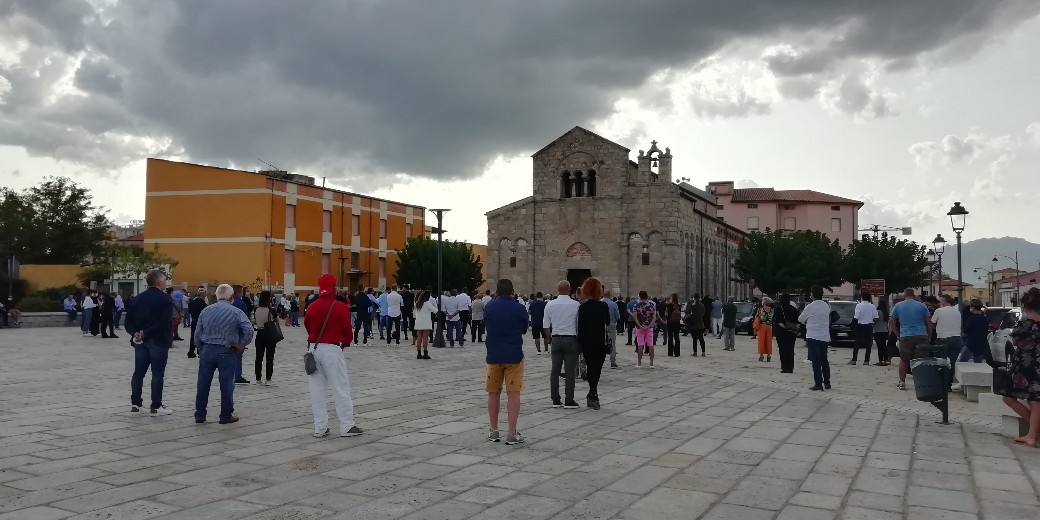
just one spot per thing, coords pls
(309, 365)
(272, 330)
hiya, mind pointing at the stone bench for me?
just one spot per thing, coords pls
(1010, 423)
(975, 379)
(47, 319)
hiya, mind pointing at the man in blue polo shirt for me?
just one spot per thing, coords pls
(911, 322)
(506, 321)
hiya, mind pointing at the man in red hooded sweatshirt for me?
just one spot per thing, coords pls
(328, 333)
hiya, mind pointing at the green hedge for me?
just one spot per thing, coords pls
(47, 300)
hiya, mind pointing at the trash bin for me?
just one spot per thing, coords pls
(930, 378)
(930, 351)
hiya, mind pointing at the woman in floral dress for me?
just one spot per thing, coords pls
(1024, 368)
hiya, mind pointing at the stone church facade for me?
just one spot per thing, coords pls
(595, 212)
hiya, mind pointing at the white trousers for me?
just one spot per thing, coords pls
(717, 325)
(332, 371)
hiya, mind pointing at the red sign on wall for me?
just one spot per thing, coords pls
(873, 286)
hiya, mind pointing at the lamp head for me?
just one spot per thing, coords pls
(958, 215)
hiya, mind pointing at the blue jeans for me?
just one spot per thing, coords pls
(453, 332)
(84, 323)
(238, 366)
(146, 355)
(118, 316)
(72, 315)
(966, 355)
(295, 318)
(953, 345)
(221, 359)
(382, 324)
(821, 367)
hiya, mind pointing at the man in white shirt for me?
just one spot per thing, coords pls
(817, 319)
(465, 314)
(865, 314)
(452, 319)
(561, 321)
(88, 312)
(947, 319)
(394, 300)
(486, 298)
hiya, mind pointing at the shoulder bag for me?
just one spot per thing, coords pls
(309, 365)
(271, 331)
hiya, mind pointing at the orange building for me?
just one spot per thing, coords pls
(271, 229)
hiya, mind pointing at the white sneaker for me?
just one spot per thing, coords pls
(323, 434)
(162, 410)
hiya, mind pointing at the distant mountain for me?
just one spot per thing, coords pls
(980, 252)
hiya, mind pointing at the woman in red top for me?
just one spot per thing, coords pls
(328, 333)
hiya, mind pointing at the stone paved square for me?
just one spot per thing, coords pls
(722, 437)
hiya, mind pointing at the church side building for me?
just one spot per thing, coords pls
(595, 212)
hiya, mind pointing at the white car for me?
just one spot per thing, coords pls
(1000, 339)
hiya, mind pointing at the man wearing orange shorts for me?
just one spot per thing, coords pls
(505, 321)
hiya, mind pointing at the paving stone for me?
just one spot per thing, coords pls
(865, 500)
(859, 513)
(735, 512)
(669, 503)
(600, 505)
(447, 510)
(485, 495)
(804, 513)
(827, 484)
(762, 493)
(468, 477)
(799, 452)
(778, 468)
(941, 480)
(924, 513)
(841, 465)
(993, 509)
(882, 481)
(700, 446)
(37, 513)
(524, 507)
(1003, 481)
(572, 485)
(941, 499)
(643, 480)
(112, 497)
(816, 501)
(884, 460)
(223, 509)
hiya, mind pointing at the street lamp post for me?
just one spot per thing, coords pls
(938, 248)
(958, 215)
(438, 337)
(990, 283)
(1018, 277)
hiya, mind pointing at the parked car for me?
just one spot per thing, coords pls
(995, 315)
(1000, 339)
(841, 322)
(745, 318)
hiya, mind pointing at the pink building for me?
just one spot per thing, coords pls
(755, 209)
(758, 209)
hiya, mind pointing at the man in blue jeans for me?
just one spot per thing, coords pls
(222, 331)
(240, 304)
(817, 319)
(148, 321)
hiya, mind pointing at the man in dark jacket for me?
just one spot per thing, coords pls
(408, 312)
(195, 307)
(108, 313)
(148, 321)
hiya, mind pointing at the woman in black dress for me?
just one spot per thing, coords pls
(1024, 368)
(95, 314)
(785, 330)
(593, 319)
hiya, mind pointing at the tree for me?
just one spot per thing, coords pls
(129, 262)
(777, 261)
(54, 222)
(901, 263)
(417, 265)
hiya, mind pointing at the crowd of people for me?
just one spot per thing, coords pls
(579, 327)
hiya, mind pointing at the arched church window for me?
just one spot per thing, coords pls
(590, 181)
(566, 188)
(579, 184)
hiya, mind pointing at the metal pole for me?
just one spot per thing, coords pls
(938, 289)
(1018, 281)
(960, 284)
(438, 337)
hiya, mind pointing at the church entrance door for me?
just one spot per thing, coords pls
(577, 277)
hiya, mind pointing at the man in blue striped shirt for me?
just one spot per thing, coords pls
(221, 334)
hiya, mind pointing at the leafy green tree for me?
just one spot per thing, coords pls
(131, 262)
(778, 261)
(54, 222)
(417, 265)
(901, 263)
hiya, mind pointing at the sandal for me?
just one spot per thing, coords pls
(901, 386)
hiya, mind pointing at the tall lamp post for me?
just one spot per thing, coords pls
(990, 283)
(438, 337)
(1018, 277)
(938, 248)
(958, 215)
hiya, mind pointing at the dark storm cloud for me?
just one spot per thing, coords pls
(362, 90)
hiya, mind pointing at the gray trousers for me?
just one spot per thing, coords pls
(728, 337)
(612, 342)
(565, 355)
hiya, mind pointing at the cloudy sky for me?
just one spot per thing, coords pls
(907, 105)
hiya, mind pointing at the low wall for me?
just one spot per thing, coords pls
(47, 319)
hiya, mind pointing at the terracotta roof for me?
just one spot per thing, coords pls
(769, 194)
(132, 238)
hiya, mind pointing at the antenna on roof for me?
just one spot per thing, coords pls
(273, 167)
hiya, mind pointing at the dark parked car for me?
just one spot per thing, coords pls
(745, 318)
(841, 322)
(995, 315)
